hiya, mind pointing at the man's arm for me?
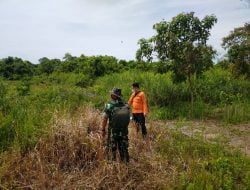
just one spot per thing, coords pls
(144, 104)
(105, 119)
(130, 101)
(104, 124)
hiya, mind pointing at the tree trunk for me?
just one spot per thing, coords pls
(191, 92)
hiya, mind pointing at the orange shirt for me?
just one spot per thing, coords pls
(138, 103)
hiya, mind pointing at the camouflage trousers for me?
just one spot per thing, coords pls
(117, 141)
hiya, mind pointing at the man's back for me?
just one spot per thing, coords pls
(119, 116)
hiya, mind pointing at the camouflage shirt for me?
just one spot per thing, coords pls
(108, 111)
(109, 108)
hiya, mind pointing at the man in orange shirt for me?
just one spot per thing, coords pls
(140, 109)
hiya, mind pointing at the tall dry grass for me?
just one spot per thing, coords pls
(72, 156)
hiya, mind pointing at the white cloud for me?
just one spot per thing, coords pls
(32, 28)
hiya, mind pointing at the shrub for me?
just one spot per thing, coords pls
(71, 79)
(215, 90)
(218, 86)
(23, 88)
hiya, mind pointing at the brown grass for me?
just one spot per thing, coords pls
(72, 157)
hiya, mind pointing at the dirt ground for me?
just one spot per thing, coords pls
(237, 136)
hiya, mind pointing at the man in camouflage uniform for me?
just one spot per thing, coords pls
(117, 135)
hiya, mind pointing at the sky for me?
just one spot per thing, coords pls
(32, 29)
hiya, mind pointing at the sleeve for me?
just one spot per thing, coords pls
(106, 111)
(130, 101)
(144, 103)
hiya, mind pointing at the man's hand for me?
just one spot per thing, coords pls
(145, 114)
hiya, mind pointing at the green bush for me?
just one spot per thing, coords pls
(3, 92)
(29, 116)
(23, 88)
(159, 88)
(218, 86)
(218, 95)
(73, 79)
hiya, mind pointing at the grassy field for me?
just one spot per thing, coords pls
(44, 141)
(69, 157)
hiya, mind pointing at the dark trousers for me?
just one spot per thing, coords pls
(139, 119)
(122, 145)
(119, 142)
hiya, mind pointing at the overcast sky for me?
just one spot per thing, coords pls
(32, 29)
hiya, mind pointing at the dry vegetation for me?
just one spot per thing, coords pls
(71, 156)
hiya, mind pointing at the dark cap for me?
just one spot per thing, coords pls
(136, 84)
(117, 92)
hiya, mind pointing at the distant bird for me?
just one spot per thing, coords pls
(122, 42)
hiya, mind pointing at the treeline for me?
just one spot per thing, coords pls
(13, 68)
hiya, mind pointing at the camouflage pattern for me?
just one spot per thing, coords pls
(117, 137)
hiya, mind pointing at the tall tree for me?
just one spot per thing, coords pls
(183, 40)
(238, 45)
(145, 50)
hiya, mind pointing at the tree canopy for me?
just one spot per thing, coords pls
(238, 45)
(182, 40)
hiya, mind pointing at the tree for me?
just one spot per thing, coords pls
(48, 66)
(101, 65)
(145, 50)
(72, 63)
(183, 43)
(238, 45)
(68, 57)
(14, 68)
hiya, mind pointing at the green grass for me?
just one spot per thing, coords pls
(205, 166)
(29, 111)
(168, 100)
(26, 107)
